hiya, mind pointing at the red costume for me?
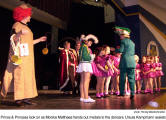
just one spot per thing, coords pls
(67, 72)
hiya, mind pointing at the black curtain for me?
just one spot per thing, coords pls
(58, 8)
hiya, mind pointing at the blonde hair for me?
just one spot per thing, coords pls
(136, 57)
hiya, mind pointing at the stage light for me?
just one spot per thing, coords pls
(97, 0)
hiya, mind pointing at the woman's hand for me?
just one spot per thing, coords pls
(43, 38)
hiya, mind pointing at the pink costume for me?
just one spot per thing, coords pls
(96, 71)
(159, 73)
(93, 64)
(138, 72)
(152, 74)
(145, 67)
(116, 64)
(110, 58)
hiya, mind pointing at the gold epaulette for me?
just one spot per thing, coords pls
(86, 47)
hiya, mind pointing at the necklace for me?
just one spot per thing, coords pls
(23, 23)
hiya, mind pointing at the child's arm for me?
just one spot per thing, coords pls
(101, 68)
(151, 70)
(110, 65)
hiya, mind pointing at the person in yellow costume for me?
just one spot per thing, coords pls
(19, 76)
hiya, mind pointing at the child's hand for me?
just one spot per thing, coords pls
(105, 70)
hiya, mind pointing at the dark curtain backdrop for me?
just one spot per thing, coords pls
(87, 19)
(58, 8)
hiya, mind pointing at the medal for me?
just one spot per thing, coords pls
(106, 67)
(45, 50)
(16, 60)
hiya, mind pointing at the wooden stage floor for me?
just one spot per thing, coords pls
(52, 99)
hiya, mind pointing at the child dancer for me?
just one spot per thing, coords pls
(100, 72)
(159, 73)
(137, 75)
(116, 74)
(143, 73)
(153, 72)
(109, 66)
(85, 67)
(150, 73)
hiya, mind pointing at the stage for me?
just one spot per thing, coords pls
(53, 99)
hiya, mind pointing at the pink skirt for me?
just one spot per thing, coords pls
(110, 73)
(116, 73)
(159, 73)
(143, 76)
(152, 75)
(97, 72)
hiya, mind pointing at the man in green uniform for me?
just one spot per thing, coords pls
(127, 62)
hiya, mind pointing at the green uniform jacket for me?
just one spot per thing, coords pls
(84, 53)
(127, 48)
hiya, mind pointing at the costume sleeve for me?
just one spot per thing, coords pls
(97, 61)
(121, 49)
(69, 63)
(153, 66)
(85, 54)
(17, 27)
(139, 66)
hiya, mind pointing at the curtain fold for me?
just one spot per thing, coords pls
(58, 8)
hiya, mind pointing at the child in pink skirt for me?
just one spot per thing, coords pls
(115, 85)
(99, 71)
(138, 75)
(143, 73)
(159, 73)
(109, 67)
(150, 73)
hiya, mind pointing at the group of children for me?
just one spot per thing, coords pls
(105, 66)
(150, 71)
(106, 69)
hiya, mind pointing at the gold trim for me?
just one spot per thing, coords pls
(161, 33)
(163, 88)
(130, 14)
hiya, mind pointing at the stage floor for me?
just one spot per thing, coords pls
(52, 99)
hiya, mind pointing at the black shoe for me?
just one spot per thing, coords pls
(74, 92)
(131, 97)
(29, 102)
(79, 92)
(106, 95)
(20, 103)
(121, 95)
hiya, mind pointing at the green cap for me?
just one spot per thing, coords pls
(123, 28)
